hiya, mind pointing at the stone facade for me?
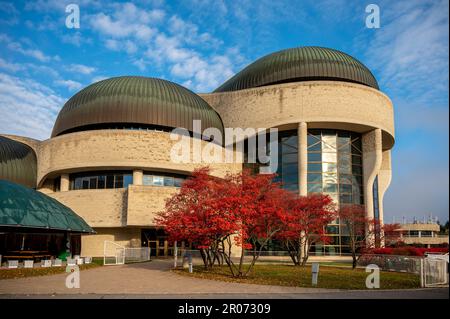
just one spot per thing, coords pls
(119, 214)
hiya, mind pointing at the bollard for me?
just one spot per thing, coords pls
(175, 255)
(315, 273)
(190, 264)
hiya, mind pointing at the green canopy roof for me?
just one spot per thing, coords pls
(21, 206)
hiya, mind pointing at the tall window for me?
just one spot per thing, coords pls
(335, 169)
(376, 211)
(287, 171)
(335, 165)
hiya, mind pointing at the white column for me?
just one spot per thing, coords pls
(372, 158)
(138, 176)
(64, 184)
(302, 132)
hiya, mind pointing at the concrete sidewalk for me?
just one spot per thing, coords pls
(154, 280)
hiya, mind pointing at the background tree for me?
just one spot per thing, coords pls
(305, 223)
(361, 230)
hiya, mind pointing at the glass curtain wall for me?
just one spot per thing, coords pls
(287, 171)
(335, 169)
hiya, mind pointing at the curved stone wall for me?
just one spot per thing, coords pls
(321, 104)
(114, 149)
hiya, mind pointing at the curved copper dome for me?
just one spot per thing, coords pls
(18, 162)
(300, 64)
(134, 100)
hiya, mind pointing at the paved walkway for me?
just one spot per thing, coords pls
(154, 280)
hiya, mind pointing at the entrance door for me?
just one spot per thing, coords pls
(154, 247)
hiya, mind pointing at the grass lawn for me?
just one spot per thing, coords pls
(30, 272)
(329, 277)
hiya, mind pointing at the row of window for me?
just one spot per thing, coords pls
(103, 180)
(166, 180)
(100, 180)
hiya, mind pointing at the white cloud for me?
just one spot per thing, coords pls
(12, 67)
(98, 78)
(127, 20)
(410, 50)
(8, 13)
(75, 38)
(18, 47)
(174, 44)
(27, 107)
(140, 64)
(81, 68)
(69, 84)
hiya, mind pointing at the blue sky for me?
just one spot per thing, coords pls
(201, 43)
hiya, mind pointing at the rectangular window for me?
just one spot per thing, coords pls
(329, 167)
(313, 167)
(329, 157)
(168, 181)
(85, 183)
(101, 181)
(314, 157)
(77, 183)
(330, 188)
(127, 180)
(346, 199)
(93, 183)
(147, 180)
(178, 182)
(357, 169)
(109, 181)
(314, 188)
(158, 181)
(118, 181)
(345, 188)
(314, 178)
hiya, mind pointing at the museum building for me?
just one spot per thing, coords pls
(108, 157)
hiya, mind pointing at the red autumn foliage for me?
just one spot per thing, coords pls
(305, 223)
(208, 211)
(193, 213)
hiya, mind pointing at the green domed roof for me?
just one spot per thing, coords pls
(21, 206)
(17, 162)
(300, 64)
(135, 100)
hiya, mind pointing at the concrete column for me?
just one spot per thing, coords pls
(302, 132)
(138, 176)
(372, 158)
(64, 184)
(384, 179)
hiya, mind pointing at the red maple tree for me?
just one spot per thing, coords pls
(216, 214)
(193, 215)
(305, 223)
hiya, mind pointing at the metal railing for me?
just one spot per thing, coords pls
(115, 254)
(133, 255)
(409, 264)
